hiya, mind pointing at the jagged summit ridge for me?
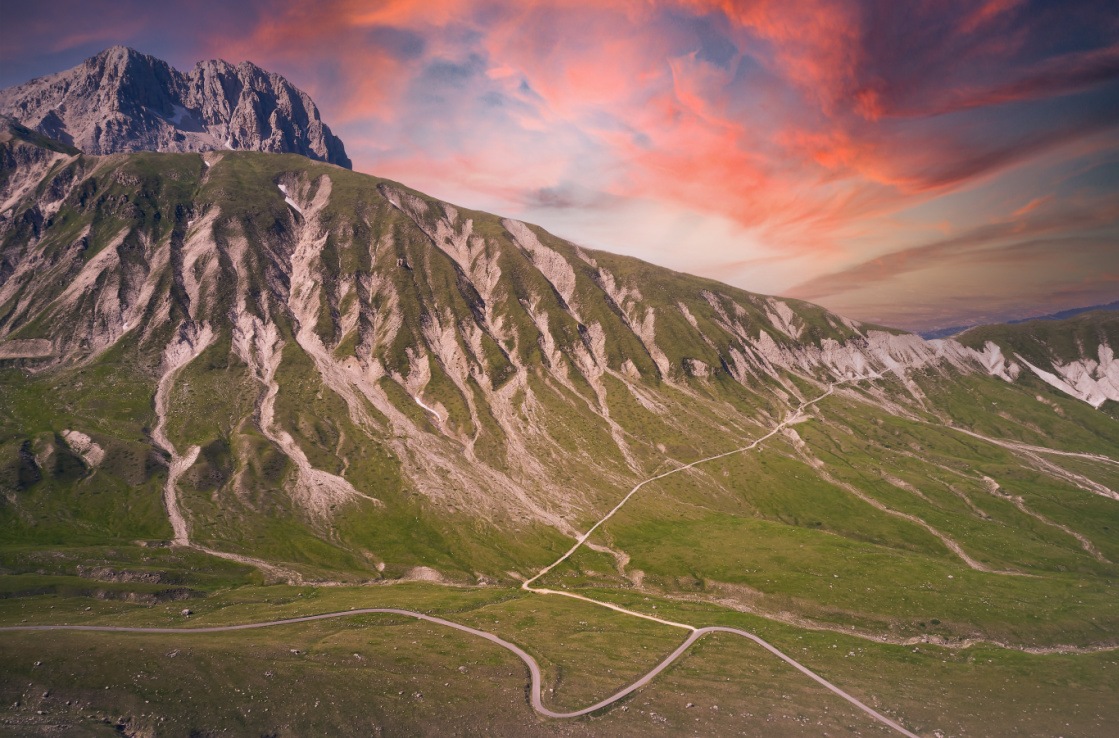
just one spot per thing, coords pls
(121, 101)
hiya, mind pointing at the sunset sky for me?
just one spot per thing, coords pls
(919, 163)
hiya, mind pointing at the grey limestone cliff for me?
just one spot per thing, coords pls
(122, 100)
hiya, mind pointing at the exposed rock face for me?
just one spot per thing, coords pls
(122, 100)
(81, 444)
(1074, 355)
(25, 158)
(1090, 380)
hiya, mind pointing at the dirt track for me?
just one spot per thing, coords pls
(530, 662)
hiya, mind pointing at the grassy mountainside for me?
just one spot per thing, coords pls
(224, 372)
(401, 335)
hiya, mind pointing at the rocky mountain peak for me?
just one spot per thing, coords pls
(122, 100)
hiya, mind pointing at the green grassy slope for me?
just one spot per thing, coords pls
(874, 538)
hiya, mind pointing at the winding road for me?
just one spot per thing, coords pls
(695, 633)
(530, 662)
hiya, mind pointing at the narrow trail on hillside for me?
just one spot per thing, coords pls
(1027, 450)
(795, 417)
(1030, 452)
(995, 489)
(533, 667)
(805, 623)
(1033, 455)
(696, 632)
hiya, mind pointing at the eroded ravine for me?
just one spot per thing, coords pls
(192, 340)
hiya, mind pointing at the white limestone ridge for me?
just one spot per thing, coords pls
(1092, 381)
(873, 353)
(1087, 379)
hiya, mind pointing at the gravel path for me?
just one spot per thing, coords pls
(530, 662)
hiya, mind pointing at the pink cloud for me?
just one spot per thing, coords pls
(816, 126)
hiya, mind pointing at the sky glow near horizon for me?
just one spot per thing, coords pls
(918, 164)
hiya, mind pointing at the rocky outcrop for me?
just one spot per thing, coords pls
(122, 100)
(1087, 379)
(25, 158)
(877, 352)
(81, 444)
(1073, 355)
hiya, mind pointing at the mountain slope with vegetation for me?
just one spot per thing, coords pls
(230, 369)
(1075, 355)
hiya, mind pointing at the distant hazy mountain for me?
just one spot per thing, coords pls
(1061, 315)
(122, 101)
(1070, 313)
(944, 332)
